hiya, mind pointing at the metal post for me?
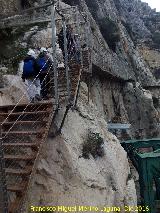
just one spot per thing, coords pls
(89, 42)
(54, 55)
(78, 31)
(3, 187)
(66, 60)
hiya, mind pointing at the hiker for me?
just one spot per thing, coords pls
(77, 45)
(44, 62)
(30, 74)
(70, 41)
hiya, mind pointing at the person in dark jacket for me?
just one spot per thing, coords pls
(45, 64)
(30, 75)
(70, 41)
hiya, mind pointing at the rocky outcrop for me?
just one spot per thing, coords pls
(13, 91)
(65, 177)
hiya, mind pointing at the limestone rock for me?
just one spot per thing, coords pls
(42, 38)
(64, 177)
(13, 91)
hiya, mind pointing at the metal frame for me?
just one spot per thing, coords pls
(148, 167)
(54, 55)
(66, 60)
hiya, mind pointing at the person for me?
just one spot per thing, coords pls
(70, 41)
(30, 74)
(77, 45)
(44, 62)
(73, 44)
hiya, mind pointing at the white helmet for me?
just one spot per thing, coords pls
(31, 53)
(43, 49)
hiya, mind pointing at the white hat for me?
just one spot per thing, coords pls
(31, 53)
(43, 49)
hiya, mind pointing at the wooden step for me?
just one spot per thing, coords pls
(60, 85)
(18, 171)
(29, 104)
(71, 74)
(65, 90)
(17, 187)
(19, 157)
(24, 113)
(72, 79)
(23, 122)
(7, 145)
(22, 133)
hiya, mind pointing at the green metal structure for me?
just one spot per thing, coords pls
(145, 156)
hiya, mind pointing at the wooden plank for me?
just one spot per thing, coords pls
(20, 145)
(28, 104)
(22, 133)
(19, 157)
(18, 171)
(24, 113)
(23, 122)
(17, 187)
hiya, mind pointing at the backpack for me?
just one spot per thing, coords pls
(42, 63)
(28, 68)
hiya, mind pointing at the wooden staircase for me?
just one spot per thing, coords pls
(21, 145)
(24, 128)
(74, 78)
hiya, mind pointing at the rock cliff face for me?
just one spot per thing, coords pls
(65, 177)
(124, 88)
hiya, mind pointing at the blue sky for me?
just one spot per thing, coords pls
(153, 4)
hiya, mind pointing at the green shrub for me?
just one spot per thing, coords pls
(93, 146)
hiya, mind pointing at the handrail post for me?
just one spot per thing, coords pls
(54, 55)
(3, 187)
(79, 31)
(89, 40)
(66, 60)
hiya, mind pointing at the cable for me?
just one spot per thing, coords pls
(25, 93)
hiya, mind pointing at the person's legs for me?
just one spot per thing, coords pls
(38, 89)
(38, 86)
(43, 85)
(30, 89)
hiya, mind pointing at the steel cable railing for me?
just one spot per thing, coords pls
(23, 118)
(14, 141)
(21, 112)
(32, 128)
(25, 93)
(25, 165)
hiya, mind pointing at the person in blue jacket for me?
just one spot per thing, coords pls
(45, 65)
(30, 74)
